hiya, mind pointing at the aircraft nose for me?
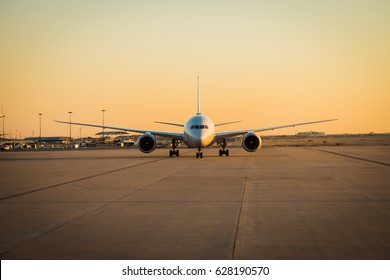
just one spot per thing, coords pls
(201, 137)
(205, 138)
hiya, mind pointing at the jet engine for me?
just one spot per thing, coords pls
(147, 143)
(251, 142)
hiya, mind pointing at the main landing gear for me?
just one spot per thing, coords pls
(223, 151)
(174, 152)
(199, 153)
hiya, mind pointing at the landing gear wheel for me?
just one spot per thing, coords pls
(174, 152)
(199, 154)
(223, 152)
(223, 144)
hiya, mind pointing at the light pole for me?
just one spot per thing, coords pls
(103, 124)
(3, 116)
(40, 126)
(70, 126)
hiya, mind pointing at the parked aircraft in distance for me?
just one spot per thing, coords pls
(199, 132)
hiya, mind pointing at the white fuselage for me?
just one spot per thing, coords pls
(199, 131)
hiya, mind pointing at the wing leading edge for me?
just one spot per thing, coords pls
(171, 135)
(169, 123)
(242, 132)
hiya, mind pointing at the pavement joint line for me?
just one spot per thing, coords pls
(367, 197)
(200, 201)
(348, 156)
(240, 210)
(33, 236)
(99, 206)
(79, 179)
(160, 179)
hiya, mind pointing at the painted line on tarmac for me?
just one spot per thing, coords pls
(348, 156)
(100, 205)
(78, 180)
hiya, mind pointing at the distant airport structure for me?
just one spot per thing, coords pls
(310, 134)
(111, 133)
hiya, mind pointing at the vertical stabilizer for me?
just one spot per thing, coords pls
(198, 112)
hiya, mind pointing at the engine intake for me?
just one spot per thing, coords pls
(251, 142)
(147, 143)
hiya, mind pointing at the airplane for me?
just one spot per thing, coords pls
(199, 132)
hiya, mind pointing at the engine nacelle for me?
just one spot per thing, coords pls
(147, 143)
(251, 142)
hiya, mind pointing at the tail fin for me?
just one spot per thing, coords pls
(198, 113)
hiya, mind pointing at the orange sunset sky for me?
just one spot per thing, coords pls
(262, 62)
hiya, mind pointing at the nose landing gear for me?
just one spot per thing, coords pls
(199, 153)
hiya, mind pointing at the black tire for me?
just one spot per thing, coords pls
(227, 153)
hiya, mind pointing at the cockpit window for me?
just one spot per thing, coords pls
(195, 126)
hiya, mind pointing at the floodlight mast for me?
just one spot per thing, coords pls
(40, 126)
(3, 117)
(70, 126)
(103, 123)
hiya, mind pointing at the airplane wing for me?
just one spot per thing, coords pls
(182, 125)
(171, 135)
(225, 123)
(169, 123)
(242, 132)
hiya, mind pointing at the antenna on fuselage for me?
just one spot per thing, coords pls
(198, 113)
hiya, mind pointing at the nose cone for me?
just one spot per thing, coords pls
(202, 138)
(196, 138)
(207, 138)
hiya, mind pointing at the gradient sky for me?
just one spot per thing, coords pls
(263, 62)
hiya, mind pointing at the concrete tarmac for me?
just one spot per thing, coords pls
(277, 203)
